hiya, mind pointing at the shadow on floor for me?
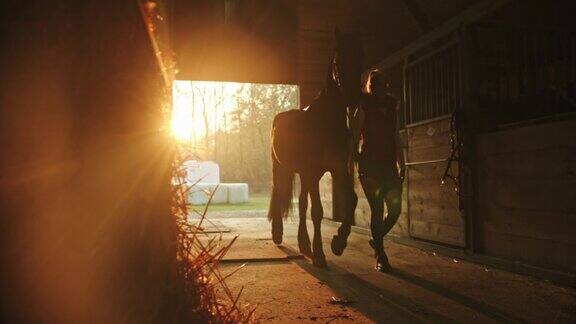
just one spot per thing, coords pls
(471, 303)
(377, 304)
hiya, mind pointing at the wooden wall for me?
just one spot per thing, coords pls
(86, 228)
(315, 46)
(433, 208)
(236, 40)
(526, 194)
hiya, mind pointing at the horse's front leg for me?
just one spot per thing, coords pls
(303, 238)
(317, 214)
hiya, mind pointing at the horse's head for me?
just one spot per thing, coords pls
(347, 66)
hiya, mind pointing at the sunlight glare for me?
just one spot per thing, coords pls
(182, 119)
(197, 104)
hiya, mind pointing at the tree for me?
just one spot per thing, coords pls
(249, 157)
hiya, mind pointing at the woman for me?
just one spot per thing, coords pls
(380, 161)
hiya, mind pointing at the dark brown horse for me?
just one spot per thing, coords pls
(313, 141)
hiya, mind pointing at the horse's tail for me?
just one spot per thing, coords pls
(282, 181)
(282, 191)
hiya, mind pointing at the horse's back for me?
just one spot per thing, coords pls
(286, 117)
(286, 135)
(308, 138)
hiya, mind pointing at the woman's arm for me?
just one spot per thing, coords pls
(400, 156)
(400, 162)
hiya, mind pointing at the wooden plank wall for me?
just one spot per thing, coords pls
(255, 41)
(527, 196)
(433, 208)
(316, 21)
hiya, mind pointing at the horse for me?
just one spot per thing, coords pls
(315, 140)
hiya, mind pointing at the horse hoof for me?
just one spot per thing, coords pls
(277, 238)
(277, 229)
(305, 250)
(337, 245)
(320, 263)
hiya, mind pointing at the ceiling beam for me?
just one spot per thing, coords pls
(419, 15)
(467, 16)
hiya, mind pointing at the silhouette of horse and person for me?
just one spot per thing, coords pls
(324, 137)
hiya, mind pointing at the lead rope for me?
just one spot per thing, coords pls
(455, 146)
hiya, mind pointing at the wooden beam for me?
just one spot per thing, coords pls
(469, 15)
(418, 14)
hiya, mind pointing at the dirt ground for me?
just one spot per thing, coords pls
(424, 286)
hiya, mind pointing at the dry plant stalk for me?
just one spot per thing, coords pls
(198, 260)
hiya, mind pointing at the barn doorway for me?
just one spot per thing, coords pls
(224, 131)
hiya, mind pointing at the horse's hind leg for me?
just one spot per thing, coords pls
(303, 238)
(317, 214)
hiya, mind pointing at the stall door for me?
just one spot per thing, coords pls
(433, 93)
(433, 207)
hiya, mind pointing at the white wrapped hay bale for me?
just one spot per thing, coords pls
(202, 171)
(200, 194)
(237, 193)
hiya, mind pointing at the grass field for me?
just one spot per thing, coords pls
(257, 201)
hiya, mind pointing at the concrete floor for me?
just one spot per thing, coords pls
(424, 286)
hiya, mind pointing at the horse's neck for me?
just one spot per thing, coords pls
(329, 109)
(329, 106)
(330, 99)
(325, 102)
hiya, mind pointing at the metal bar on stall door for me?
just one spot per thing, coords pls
(411, 72)
(431, 87)
(428, 121)
(425, 162)
(433, 92)
(572, 56)
(417, 93)
(526, 62)
(555, 56)
(433, 53)
(426, 96)
(535, 57)
(516, 64)
(460, 79)
(424, 91)
(536, 62)
(506, 64)
(448, 82)
(421, 94)
(443, 86)
(406, 99)
(438, 86)
(455, 69)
